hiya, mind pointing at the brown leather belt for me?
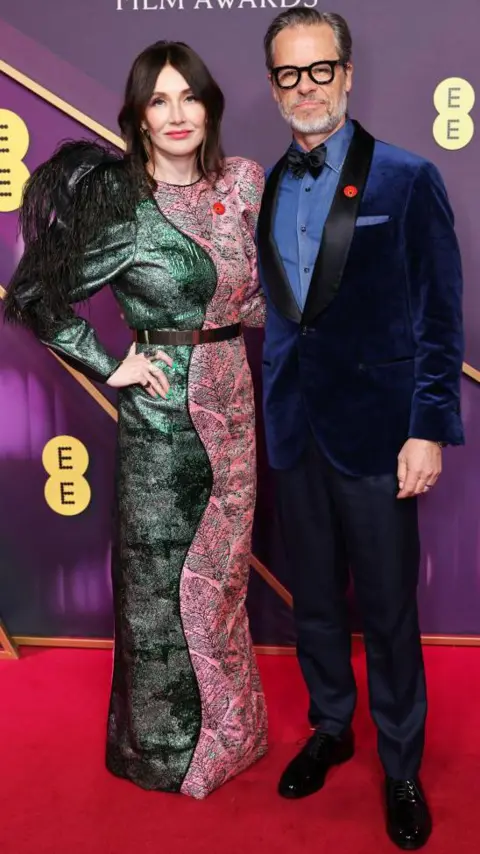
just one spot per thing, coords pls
(187, 336)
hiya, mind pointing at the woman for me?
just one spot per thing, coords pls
(171, 227)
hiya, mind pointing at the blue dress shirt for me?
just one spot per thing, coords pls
(302, 209)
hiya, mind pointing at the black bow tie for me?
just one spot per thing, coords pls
(301, 161)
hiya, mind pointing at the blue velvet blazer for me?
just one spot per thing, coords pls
(376, 355)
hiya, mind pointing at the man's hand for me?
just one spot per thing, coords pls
(419, 467)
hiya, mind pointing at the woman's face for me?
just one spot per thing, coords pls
(174, 118)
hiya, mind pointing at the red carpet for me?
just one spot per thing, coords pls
(56, 797)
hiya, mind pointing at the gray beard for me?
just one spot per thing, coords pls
(323, 124)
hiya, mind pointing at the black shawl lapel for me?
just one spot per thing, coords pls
(271, 264)
(340, 225)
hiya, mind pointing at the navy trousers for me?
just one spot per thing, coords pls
(333, 524)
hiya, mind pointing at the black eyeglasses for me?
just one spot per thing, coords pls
(321, 72)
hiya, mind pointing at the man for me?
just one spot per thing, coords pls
(362, 364)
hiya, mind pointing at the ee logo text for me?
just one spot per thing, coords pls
(67, 491)
(14, 142)
(454, 127)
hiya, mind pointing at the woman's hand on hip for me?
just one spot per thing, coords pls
(137, 369)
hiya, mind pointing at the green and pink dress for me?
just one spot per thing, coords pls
(187, 712)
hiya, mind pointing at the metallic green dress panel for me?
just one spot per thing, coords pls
(163, 486)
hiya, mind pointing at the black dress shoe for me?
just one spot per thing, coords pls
(409, 823)
(306, 773)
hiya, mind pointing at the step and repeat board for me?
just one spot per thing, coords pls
(62, 77)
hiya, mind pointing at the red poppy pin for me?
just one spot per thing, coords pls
(218, 208)
(350, 191)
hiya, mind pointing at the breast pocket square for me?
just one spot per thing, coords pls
(372, 220)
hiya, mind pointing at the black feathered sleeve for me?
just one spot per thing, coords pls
(78, 224)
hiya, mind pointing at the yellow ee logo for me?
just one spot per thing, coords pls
(454, 99)
(65, 459)
(14, 141)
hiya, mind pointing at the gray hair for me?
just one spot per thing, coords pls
(307, 17)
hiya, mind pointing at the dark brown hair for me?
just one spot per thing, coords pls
(140, 86)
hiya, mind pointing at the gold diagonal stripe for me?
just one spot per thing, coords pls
(89, 387)
(272, 582)
(471, 372)
(86, 384)
(60, 104)
(7, 644)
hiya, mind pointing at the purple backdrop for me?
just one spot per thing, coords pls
(54, 569)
